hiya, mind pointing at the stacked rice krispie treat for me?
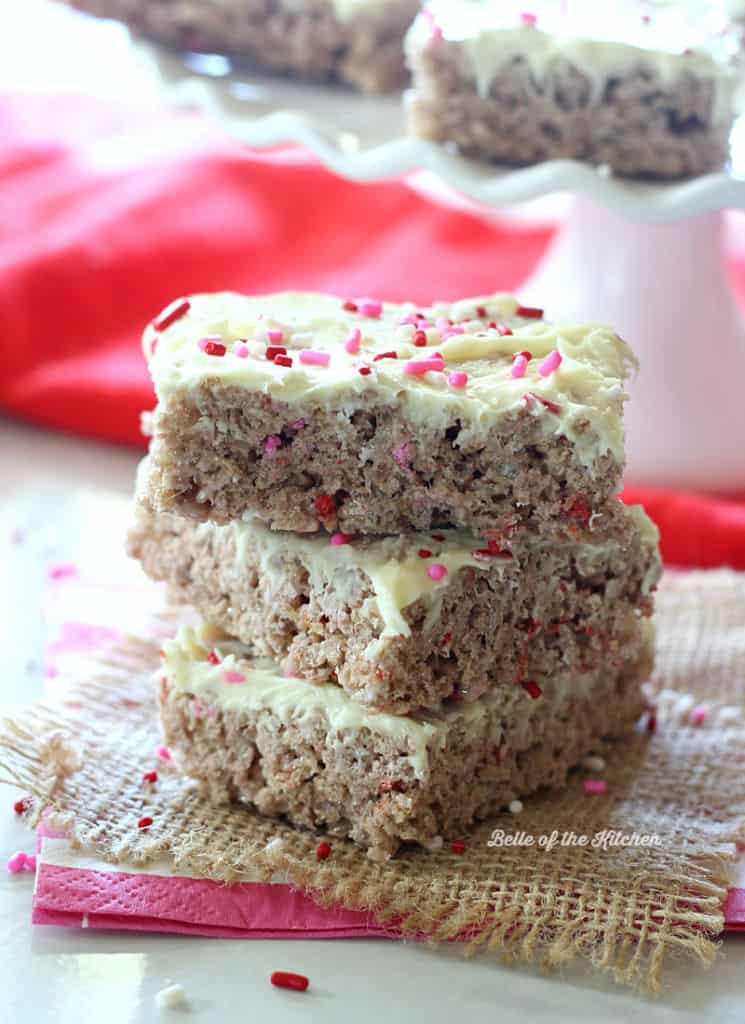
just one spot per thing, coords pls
(645, 87)
(419, 599)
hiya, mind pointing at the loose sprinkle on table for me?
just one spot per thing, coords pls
(234, 677)
(437, 571)
(21, 861)
(286, 979)
(171, 314)
(550, 363)
(323, 851)
(595, 787)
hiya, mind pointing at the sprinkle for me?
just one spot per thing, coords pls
(595, 787)
(272, 351)
(340, 538)
(481, 311)
(21, 806)
(438, 536)
(297, 425)
(515, 807)
(651, 722)
(144, 823)
(323, 851)
(62, 571)
(435, 843)
(370, 307)
(364, 370)
(593, 763)
(437, 571)
(420, 339)
(698, 715)
(275, 336)
(352, 344)
(424, 553)
(550, 363)
(233, 677)
(171, 314)
(172, 997)
(351, 307)
(213, 658)
(532, 688)
(531, 396)
(163, 753)
(151, 776)
(529, 312)
(493, 550)
(21, 862)
(458, 846)
(282, 361)
(272, 443)
(458, 379)
(528, 20)
(519, 366)
(385, 355)
(285, 979)
(312, 357)
(502, 329)
(31, 862)
(240, 349)
(325, 506)
(418, 367)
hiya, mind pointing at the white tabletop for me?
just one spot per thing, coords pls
(68, 975)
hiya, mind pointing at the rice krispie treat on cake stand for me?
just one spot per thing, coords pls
(644, 88)
(357, 42)
(310, 753)
(312, 412)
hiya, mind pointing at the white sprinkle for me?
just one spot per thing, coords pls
(301, 339)
(594, 763)
(435, 378)
(516, 807)
(405, 332)
(433, 336)
(274, 844)
(728, 715)
(434, 844)
(257, 349)
(172, 997)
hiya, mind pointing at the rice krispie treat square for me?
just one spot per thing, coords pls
(313, 412)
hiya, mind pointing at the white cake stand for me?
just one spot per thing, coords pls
(647, 258)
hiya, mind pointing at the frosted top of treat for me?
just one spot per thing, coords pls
(449, 361)
(234, 680)
(345, 10)
(669, 37)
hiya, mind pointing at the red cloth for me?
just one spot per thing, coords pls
(106, 215)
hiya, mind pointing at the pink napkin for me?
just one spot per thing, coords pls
(85, 612)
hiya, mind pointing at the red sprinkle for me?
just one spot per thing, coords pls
(531, 396)
(144, 823)
(325, 506)
(458, 846)
(493, 550)
(213, 659)
(438, 536)
(365, 370)
(282, 361)
(446, 639)
(351, 307)
(323, 851)
(214, 348)
(531, 687)
(420, 339)
(525, 354)
(150, 776)
(530, 312)
(22, 805)
(481, 311)
(503, 330)
(651, 722)
(385, 355)
(286, 979)
(171, 314)
(424, 553)
(272, 351)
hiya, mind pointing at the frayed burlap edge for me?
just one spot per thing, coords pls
(626, 910)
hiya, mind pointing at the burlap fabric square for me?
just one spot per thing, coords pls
(626, 908)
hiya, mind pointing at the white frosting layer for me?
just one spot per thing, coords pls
(588, 388)
(346, 10)
(600, 39)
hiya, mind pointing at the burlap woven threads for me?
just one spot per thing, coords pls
(624, 908)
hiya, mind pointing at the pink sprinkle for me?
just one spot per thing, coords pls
(437, 571)
(21, 862)
(274, 336)
(370, 307)
(528, 20)
(450, 332)
(312, 357)
(340, 538)
(458, 379)
(418, 367)
(234, 677)
(698, 715)
(163, 753)
(595, 787)
(204, 342)
(272, 443)
(410, 318)
(550, 363)
(51, 671)
(352, 344)
(297, 425)
(240, 349)
(30, 862)
(435, 30)
(62, 571)
(519, 366)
